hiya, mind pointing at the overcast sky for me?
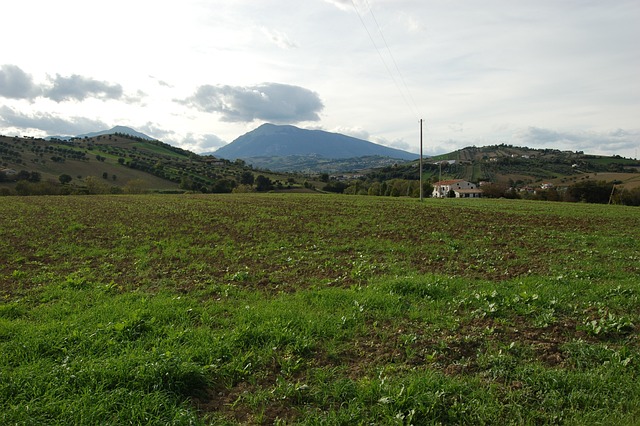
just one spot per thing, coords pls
(559, 74)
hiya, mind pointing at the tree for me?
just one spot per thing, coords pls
(590, 192)
(186, 183)
(65, 179)
(493, 190)
(335, 186)
(94, 186)
(246, 178)
(427, 189)
(23, 187)
(23, 175)
(136, 186)
(263, 183)
(629, 197)
(223, 186)
(374, 189)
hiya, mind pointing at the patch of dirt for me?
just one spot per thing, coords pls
(229, 404)
(453, 352)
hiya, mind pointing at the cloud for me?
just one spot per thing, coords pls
(190, 141)
(591, 142)
(49, 123)
(341, 4)
(279, 38)
(152, 129)
(395, 143)
(354, 132)
(16, 84)
(202, 143)
(161, 82)
(278, 103)
(79, 88)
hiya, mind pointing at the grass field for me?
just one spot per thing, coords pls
(317, 309)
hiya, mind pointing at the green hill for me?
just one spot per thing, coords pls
(115, 163)
(517, 166)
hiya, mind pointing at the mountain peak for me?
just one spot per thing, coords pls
(271, 140)
(118, 129)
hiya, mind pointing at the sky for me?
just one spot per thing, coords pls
(558, 74)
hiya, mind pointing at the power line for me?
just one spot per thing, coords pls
(405, 96)
(393, 59)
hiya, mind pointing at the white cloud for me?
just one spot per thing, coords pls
(78, 88)
(591, 142)
(355, 132)
(341, 4)
(279, 38)
(49, 123)
(202, 143)
(279, 103)
(17, 84)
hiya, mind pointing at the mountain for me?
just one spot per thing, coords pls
(117, 129)
(270, 140)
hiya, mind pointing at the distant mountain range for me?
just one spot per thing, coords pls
(117, 129)
(270, 140)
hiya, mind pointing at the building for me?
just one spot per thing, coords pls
(461, 189)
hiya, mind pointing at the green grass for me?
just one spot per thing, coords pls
(307, 309)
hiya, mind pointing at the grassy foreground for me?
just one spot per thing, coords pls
(308, 309)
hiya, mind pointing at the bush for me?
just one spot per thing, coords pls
(590, 191)
(629, 197)
(64, 179)
(263, 183)
(335, 186)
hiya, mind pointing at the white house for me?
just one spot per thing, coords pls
(461, 189)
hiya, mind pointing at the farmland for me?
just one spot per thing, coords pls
(317, 309)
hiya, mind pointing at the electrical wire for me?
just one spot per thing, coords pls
(406, 93)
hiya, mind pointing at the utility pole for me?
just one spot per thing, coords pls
(421, 195)
(440, 195)
(611, 195)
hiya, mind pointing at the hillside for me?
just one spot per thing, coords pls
(520, 166)
(114, 163)
(273, 141)
(313, 164)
